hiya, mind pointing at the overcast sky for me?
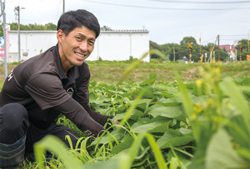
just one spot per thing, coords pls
(167, 21)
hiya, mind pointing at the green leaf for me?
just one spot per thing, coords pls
(135, 114)
(129, 112)
(125, 144)
(220, 153)
(185, 131)
(173, 101)
(238, 79)
(142, 153)
(141, 121)
(143, 103)
(173, 163)
(119, 116)
(246, 82)
(182, 157)
(170, 112)
(238, 131)
(119, 161)
(188, 107)
(198, 161)
(92, 97)
(174, 138)
(230, 89)
(147, 82)
(153, 75)
(159, 126)
(244, 153)
(148, 92)
(151, 108)
(140, 162)
(166, 94)
(157, 153)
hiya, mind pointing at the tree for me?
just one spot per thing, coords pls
(106, 28)
(187, 39)
(50, 26)
(244, 52)
(154, 45)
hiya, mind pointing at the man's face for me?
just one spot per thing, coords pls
(76, 47)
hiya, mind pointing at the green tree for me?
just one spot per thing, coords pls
(50, 26)
(1, 30)
(13, 26)
(244, 52)
(187, 39)
(154, 45)
(106, 28)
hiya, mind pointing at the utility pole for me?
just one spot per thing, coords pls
(240, 50)
(174, 54)
(190, 50)
(4, 34)
(248, 43)
(17, 9)
(218, 47)
(200, 45)
(63, 6)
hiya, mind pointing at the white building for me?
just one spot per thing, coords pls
(110, 45)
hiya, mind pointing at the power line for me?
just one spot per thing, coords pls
(230, 39)
(200, 2)
(234, 35)
(209, 40)
(160, 8)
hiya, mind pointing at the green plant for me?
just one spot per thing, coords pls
(190, 124)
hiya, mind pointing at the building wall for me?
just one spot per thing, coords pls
(110, 45)
(32, 42)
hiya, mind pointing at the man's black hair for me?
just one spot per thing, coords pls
(76, 19)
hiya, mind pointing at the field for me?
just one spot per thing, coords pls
(172, 115)
(111, 71)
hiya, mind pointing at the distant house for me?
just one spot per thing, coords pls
(227, 47)
(110, 45)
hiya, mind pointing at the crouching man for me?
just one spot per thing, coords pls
(41, 88)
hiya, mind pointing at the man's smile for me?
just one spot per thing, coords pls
(80, 55)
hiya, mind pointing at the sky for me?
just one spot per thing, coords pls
(167, 21)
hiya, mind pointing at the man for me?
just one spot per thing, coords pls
(54, 82)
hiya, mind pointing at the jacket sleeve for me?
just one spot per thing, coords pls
(78, 115)
(82, 95)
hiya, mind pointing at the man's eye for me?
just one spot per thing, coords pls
(91, 43)
(78, 38)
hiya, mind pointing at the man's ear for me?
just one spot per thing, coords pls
(60, 34)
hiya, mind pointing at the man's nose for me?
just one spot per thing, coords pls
(84, 46)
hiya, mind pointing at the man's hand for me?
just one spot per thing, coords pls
(116, 122)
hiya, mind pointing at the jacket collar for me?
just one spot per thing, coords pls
(72, 74)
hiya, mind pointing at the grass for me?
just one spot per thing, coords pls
(10, 67)
(109, 72)
(224, 105)
(112, 71)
